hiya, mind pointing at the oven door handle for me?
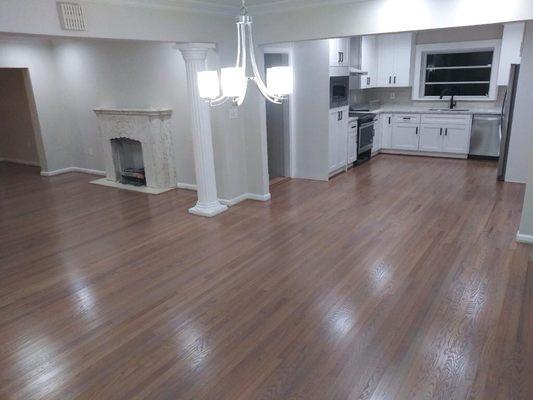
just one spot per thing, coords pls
(367, 125)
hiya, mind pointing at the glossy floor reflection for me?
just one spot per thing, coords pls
(398, 280)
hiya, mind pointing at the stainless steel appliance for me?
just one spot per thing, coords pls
(485, 138)
(365, 133)
(507, 119)
(339, 89)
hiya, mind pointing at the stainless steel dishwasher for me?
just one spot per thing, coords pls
(486, 136)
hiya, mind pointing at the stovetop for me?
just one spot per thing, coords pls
(362, 113)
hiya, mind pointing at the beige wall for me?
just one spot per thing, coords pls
(17, 139)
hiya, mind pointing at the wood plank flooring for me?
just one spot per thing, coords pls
(398, 280)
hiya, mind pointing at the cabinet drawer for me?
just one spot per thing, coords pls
(406, 118)
(446, 119)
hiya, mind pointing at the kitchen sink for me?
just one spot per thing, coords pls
(448, 109)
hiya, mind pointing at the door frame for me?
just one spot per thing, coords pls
(288, 114)
(36, 126)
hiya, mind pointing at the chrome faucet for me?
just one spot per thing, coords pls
(445, 92)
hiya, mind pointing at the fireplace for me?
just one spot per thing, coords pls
(128, 161)
(138, 149)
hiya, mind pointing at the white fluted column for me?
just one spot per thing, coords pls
(204, 163)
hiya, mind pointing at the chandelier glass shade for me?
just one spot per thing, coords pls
(232, 83)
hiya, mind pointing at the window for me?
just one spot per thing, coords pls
(466, 70)
(460, 74)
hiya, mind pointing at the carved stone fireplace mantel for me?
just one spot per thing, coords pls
(151, 129)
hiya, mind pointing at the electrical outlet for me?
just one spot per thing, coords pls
(392, 95)
(233, 112)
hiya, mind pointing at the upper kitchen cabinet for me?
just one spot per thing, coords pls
(511, 53)
(394, 60)
(369, 62)
(339, 52)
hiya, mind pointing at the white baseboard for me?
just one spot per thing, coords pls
(235, 200)
(424, 153)
(186, 186)
(522, 238)
(258, 197)
(16, 161)
(73, 169)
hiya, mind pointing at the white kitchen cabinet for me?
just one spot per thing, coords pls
(369, 61)
(339, 52)
(386, 130)
(352, 141)
(511, 52)
(378, 128)
(338, 137)
(394, 53)
(456, 139)
(405, 136)
(430, 138)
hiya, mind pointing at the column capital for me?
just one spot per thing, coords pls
(195, 51)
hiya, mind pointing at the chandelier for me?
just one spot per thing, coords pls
(233, 81)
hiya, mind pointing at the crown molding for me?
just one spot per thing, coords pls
(278, 6)
(197, 6)
(211, 7)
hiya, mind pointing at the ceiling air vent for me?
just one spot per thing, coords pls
(71, 16)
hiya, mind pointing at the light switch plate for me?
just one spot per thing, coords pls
(233, 112)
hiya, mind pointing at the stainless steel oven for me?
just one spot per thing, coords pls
(365, 137)
(339, 89)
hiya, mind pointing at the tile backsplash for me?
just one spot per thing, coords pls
(377, 97)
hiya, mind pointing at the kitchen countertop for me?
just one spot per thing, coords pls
(424, 110)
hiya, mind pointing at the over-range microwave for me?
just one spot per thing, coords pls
(339, 90)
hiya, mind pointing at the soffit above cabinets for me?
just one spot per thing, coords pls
(228, 7)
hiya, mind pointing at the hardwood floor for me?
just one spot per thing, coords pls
(398, 280)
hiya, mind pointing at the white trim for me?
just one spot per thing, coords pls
(73, 169)
(460, 47)
(117, 185)
(258, 197)
(424, 153)
(523, 238)
(277, 6)
(22, 162)
(233, 201)
(289, 51)
(198, 6)
(211, 7)
(186, 186)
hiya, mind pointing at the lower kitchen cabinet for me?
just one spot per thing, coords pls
(352, 142)
(338, 138)
(405, 136)
(456, 139)
(386, 130)
(438, 133)
(430, 138)
(378, 134)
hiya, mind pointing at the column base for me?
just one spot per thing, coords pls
(209, 210)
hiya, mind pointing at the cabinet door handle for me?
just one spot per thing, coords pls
(417, 130)
(441, 131)
(341, 115)
(446, 133)
(342, 57)
(389, 120)
(368, 81)
(390, 80)
(395, 80)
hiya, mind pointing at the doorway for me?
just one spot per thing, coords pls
(278, 132)
(18, 140)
